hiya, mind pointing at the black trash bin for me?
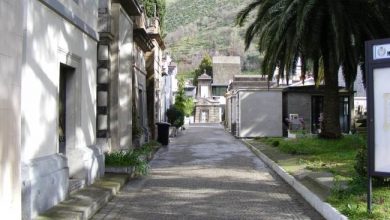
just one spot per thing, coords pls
(163, 133)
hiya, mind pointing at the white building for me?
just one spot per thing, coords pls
(48, 106)
(11, 58)
(252, 109)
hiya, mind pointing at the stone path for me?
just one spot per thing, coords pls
(207, 174)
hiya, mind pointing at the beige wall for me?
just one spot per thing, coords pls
(154, 67)
(156, 85)
(11, 24)
(122, 61)
(224, 69)
(139, 92)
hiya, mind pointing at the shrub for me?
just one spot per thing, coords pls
(361, 161)
(275, 143)
(153, 145)
(120, 159)
(175, 117)
(362, 169)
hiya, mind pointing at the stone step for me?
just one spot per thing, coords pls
(75, 184)
(84, 203)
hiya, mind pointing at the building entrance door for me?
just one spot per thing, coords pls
(64, 106)
(204, 117)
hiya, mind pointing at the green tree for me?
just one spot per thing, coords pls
(184, 104)
(180, 96)
(329, 34)
(189, 106)
(206, 65)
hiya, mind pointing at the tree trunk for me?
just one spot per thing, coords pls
(316, 68)
(280, 73)
(303, 69)
(331, 123)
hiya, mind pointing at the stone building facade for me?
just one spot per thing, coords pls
(211, 101)
(143, 45)
(125, 40)
(207, 109)
(48, 103)
(115, 73)
(155, 77)
(224, 69)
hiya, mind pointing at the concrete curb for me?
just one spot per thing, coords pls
(325, 209)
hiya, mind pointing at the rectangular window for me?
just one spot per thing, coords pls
(219, 90)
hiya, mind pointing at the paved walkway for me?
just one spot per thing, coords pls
(207, 174)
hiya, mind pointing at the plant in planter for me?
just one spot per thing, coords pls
(150, 148)
(141, 162)
(132, 161)
(126, 162)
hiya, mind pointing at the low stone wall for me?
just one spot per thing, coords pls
(121, 170)
(45, 180)
(45, 183)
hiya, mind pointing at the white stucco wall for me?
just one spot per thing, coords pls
(48, 38)
(11, 47)
(260, 114)
(158, 68)
(84, 9)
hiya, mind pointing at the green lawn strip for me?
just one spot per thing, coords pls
(334, 156)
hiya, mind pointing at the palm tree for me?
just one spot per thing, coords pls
(330, 33)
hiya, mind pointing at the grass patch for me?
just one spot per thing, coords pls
(339, 158)
(352, 201)
(335, 156)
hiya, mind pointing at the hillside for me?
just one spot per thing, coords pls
(196, 27)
